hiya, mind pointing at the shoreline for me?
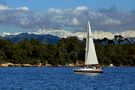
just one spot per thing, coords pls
(49, 65)
(38, 65)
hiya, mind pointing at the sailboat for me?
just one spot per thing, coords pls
(91, 62)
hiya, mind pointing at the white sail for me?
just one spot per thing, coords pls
(90, 54)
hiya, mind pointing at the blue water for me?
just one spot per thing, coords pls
(63, 78)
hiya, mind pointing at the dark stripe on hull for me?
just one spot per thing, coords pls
(83, 71)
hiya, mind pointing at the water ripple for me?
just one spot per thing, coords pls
(63, 78)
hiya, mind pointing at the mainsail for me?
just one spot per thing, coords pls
(90, 54)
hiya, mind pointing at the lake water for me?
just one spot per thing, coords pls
(63, 78)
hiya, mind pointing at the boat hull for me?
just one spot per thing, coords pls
(88, 71)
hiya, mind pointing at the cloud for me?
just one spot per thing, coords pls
(74, 21)
(23, 8)
(80, 9)
(2, 7)
(54, 10)
(8, 33)
(111, 19)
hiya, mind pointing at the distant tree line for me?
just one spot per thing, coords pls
(66, 51)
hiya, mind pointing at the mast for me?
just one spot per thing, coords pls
(90, 54)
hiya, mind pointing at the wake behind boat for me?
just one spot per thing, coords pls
(91, 61)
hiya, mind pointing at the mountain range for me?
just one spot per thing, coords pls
(42, 38)
(96, 34)
(53, 36)
(80, 35)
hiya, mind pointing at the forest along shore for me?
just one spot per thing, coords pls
(66, 52)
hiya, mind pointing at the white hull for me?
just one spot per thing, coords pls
(88, 70)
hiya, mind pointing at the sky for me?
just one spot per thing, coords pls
(43, 5)
(31, 15)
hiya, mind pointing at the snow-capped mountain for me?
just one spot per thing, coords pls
(8, 33)
(80, 35)
(59, 33)
(64, 34)
(102, 34)
(129, 33)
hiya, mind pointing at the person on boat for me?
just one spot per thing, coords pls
(95, 67)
